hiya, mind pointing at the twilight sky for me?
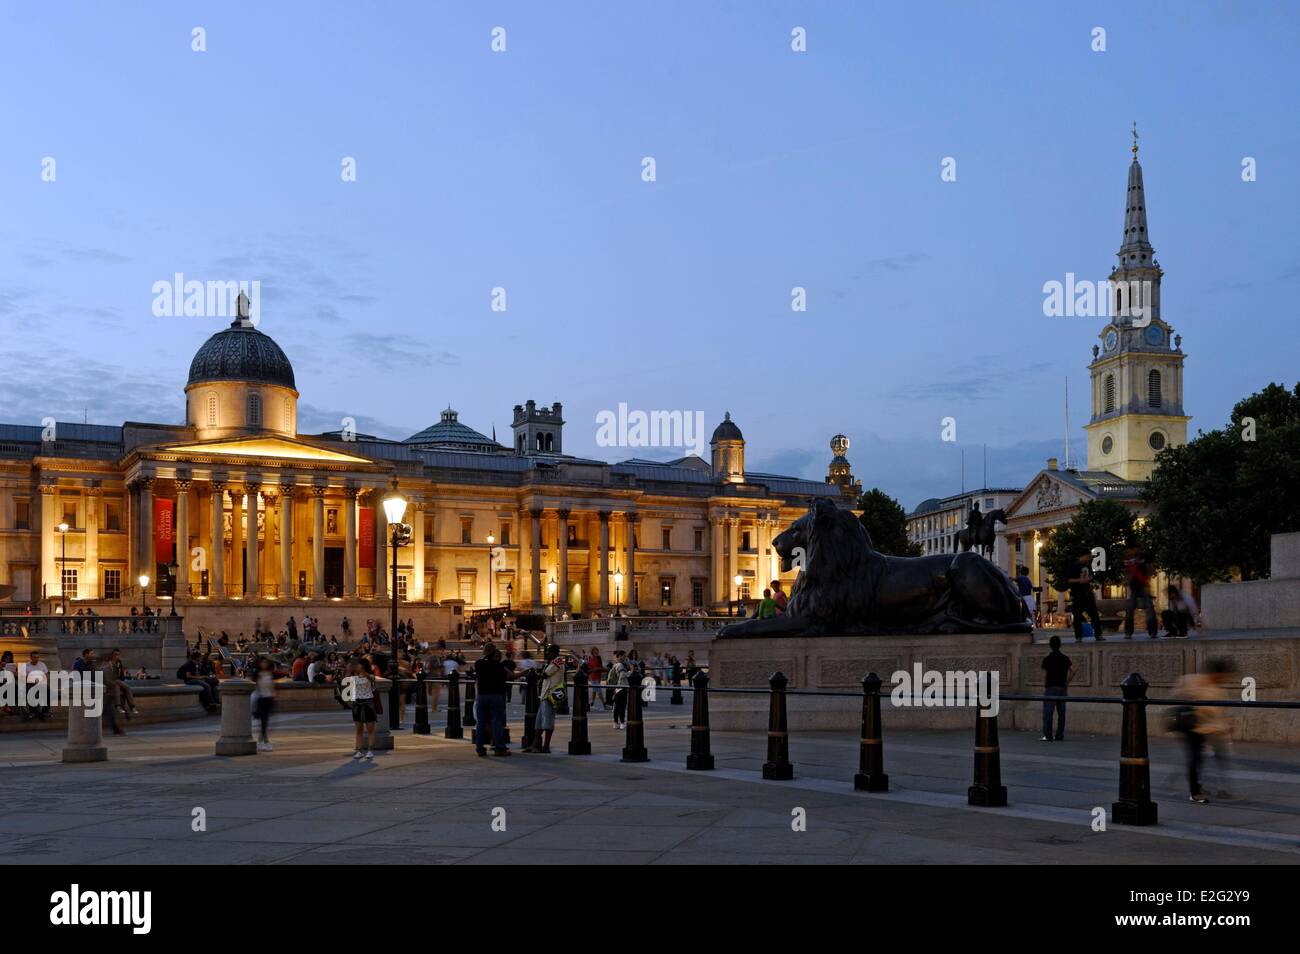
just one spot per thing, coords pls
(522, 169)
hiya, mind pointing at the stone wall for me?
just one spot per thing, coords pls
(840, 663)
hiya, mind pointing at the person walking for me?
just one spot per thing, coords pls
(360, 689)
(1205, 725)
(1058, 671)
(1082, 600)
(265, 700)
(1139, 592)
(490, 703)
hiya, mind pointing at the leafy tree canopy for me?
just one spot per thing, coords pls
(886, 521)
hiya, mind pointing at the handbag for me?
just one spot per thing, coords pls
(1182, 719)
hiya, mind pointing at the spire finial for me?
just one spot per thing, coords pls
(1135, 140)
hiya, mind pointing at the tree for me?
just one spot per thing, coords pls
(886, 521)
(1218, 499)
(1107, 524)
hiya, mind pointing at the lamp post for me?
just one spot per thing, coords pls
(491, 576)
(175, 569)
(737, 579)
(63, 570)
(394, 510)
(551, 588)
(510, 592)
(144, 591)
(618, 589)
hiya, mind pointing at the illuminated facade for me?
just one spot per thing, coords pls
(255, 514)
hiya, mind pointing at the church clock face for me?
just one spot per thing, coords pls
(1111, 340)
(1154, 335)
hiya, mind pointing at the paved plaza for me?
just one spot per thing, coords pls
(433, 801)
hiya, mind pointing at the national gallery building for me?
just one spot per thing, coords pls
(245, 514)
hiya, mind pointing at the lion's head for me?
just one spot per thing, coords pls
(832, 550)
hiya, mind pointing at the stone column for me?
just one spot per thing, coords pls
(350, 544)
(562, 544)
(604, 561)
(182, 538)
(286, 540)
(535, 558)
(719, 591)
(733, 558)
(216, 552)
(237, 540)
(250, 540)
(51, 582)
(380, 543)
(89, 586)
(270, 500)
(150, 561)
(237, 715)
(630, 526)
(415, 588)
(318, 541)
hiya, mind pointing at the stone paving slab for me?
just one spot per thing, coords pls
(431, 801)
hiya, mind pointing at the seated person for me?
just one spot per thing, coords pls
(191, 673)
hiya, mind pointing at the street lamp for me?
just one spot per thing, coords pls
(175, 569)
(551, 586)
(63, 570)
(737, 579)
(144, 591)
(618, 589)
(491, 541)
(510, 592)
(394, 510)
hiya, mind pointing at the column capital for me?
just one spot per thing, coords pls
(563, 513)
(145, 481)
(535, 512)
(218, 484)
(183, 484)
(604, 515)
(49, 488)
(253, 483)
(270, 496)
(351, 490)
(318, 490)
(631, 517)
(93, 489)
(286, 488)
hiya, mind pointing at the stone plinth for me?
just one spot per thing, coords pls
(840, 663)
(85, 736)
(236, 718)
(1259, 604)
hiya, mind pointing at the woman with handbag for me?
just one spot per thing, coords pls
(552, 694)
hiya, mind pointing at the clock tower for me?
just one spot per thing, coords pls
(1137, 371)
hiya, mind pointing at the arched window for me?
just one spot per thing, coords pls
(1110, 393)
(1153, 389)
(254, 410)
(550, 442)
(212, 410)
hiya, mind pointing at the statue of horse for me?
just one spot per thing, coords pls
(988, 534)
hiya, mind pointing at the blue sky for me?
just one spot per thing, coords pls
(522, 170)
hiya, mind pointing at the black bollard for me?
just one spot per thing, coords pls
(579, 744)
(871, 775)
(395, 704)
(454, 731)
(676, 700)
(777, 768)
(988, 789)
(700, 757)
(421, 726)
(1134, 806)
(471, 692)
(634, 750)
(530, 707)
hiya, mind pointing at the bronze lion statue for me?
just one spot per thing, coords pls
(847, 588)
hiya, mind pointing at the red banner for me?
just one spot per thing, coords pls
(366, 538)
(164, 531)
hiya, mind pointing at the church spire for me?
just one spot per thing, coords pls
(1136, 250)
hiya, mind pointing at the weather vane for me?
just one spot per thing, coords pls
(1135, 140)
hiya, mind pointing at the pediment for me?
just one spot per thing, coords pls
(274, 448)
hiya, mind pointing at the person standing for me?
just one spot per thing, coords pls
(766, 606)
(360, 689)
(617, 679)
(490, 702)
(1139, 592)
(1025, 587)
(779, 597)
(1082, 600)
(551, 694)
(1181, 614)
(265, 700)
(1058, 671)
(596, 673)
